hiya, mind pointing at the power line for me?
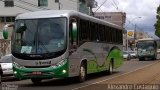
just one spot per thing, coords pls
(101, 5)
(115, 5)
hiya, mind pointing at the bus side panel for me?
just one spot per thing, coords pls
(90, 51)
(109, 53)
(74, 64)
(93, 52)
(117, 57)
(98, 56)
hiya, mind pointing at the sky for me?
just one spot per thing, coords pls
(141, 13)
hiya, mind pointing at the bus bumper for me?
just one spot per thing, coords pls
(146, 57)
(44, 73)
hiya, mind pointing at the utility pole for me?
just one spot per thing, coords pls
(135, 36)
(59, 5)
(91, 4)
(135, 27)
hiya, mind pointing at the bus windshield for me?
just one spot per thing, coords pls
(149, 45)
(39, 36)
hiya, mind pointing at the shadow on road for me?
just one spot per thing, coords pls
(67, 81)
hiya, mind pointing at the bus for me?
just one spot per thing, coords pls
(64, 43)
(146, 49)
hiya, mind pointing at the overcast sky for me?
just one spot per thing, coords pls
(146, 9)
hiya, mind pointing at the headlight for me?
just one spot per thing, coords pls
(17, 65)
(59, 63)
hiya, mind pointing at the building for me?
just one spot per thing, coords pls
(117, 18)
(141, 34)
(9, 9)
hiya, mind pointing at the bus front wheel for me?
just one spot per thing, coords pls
(141, 59)
(0, 78)
(82, 73)
(36, 81)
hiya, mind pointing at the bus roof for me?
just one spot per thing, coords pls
(63, 13)
(145, 39)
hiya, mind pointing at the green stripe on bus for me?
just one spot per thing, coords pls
(116, 54)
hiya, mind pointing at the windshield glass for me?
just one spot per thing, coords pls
(146, 45)
(38, 36)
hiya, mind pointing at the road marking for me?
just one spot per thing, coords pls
(115, 76)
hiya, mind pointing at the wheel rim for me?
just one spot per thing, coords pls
(82, 73)
(110, 68)
(0, 78)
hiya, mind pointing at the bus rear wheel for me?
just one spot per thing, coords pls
(36, 81)
(110, 70)
(82, 73)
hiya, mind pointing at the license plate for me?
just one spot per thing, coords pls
(36, 73)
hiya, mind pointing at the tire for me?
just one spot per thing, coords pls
(128, 58)
(110, 71)
(141, 59)
(82, 73)
(36, 81)
(154, 58)
(0, 79)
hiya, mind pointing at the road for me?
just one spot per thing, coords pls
(71, 83)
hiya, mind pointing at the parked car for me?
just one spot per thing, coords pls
(126, 55)
(133, 54)
(6, 65)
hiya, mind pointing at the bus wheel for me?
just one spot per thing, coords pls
(36, 81)
(0, 78)
(154, 58)
(110, 71)
(141, 59)
(82, 73)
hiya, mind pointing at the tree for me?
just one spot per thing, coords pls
(157, 24)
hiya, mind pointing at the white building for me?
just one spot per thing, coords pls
(9, 9)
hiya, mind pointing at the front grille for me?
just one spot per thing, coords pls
(37, 66)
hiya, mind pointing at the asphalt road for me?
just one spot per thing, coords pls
(71, 83)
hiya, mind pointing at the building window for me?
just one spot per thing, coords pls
(2, 19)
(7, 19)
(8, 3)
(100, 17)
(107, 16)
(42, 2)
(83, 1)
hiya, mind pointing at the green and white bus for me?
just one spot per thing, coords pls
(64, 43)
(146, 49)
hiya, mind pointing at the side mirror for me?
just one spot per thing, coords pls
(5, 33)
(74, 31)
(5, 30)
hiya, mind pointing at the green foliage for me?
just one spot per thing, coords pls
(157, 24)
